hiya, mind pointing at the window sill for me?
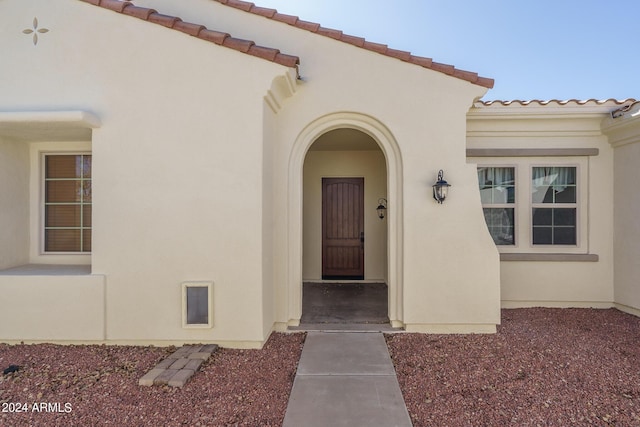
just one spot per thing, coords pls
(47, 270)
(549, 257)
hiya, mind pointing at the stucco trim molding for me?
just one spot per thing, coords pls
(549, 257)
(282, 87)
(531, 152)
(48, 125)
(75, 117)
(389, 146)
(622, 130)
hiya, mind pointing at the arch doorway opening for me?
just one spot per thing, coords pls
(345, 242)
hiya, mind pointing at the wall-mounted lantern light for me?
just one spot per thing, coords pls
(440, 188)
(382, 207)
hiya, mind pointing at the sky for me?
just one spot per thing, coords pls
(533, 49)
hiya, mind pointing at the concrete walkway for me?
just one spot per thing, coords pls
(346, 379)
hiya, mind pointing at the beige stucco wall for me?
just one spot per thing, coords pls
(624, 135)
(14, 194)
(367, 164)
(196, 178)
(61, 308)
(202, 172)
(424, 114)
(558, 283)
(627, 225)
(177, 167)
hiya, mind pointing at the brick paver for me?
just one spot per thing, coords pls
(179, 363)
(181, 377)
(194, 364)
(179, 366)
(148, 378)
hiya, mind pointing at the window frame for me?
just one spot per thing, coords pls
(42, 155)
(523, 214)
(575, 205)
(513, 205)
(197, 284)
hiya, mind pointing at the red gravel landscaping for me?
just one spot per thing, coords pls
(544, 367)
(98, 385)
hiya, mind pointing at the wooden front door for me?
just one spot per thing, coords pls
(343, 228)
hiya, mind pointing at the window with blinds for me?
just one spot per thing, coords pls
(67, 203)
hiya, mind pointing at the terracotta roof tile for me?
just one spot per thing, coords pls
(201, 32)
(485, 82)
(274, 55)
(264, 11)
(287, 19)
(329, 32)
(306, 25)
(164, 20)
(443, 68)
(189, 28)
(242, 5)
(116, 5)
(213, 36)
(356, 41)
(465, 75)
(287, 60)
(375, 47)
(403, 55)
(139, 12)
(238, 44)
(421, 61)
(263, 52)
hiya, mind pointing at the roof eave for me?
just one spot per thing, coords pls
(199, 31)
(382, 49)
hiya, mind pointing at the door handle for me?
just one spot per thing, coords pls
(362, 239)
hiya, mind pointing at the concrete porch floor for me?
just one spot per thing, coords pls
(353, 303)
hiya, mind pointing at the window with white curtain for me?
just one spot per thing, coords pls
(535, 204)
(553, 202)
(498, 195)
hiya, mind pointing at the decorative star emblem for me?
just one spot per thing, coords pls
(35, 30)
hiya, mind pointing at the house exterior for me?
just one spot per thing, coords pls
(172, 172)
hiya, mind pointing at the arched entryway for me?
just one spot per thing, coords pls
(344, 266)
(357, 157)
